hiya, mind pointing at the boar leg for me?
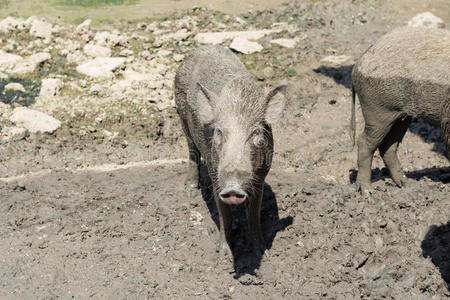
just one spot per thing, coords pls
(191, 181)
(388, 150)
(225, 219)
(253, 209)
(377, 127)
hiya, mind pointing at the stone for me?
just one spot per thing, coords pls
(145, 54)
(11, 24)
(337, 59)
(84, 26)
(33, 120)
(4, 109)
(287, 43)
(41, 29)
(126, 52)
(50, 87)
(29, 64)
(426, 19)
(101, 67)
(14, 133)
(178, 57)
(245, 46)
(177, 36)
(110, 39)
(14, 86)
(149, 80)
(76, 57)
(216, 38)
(96, 51)
(8, 60)
(95, 89)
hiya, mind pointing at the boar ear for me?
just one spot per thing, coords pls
(206, 101)
(275, 100)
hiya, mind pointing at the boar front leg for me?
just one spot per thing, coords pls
(253, 209)
(192, 180)
(225, 219)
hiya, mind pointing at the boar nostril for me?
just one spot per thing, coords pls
(232, 196)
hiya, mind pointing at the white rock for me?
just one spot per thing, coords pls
(337, 59)
(426, 19)
(287, 43)
(110, 39)
(41, 29)
(136, 76)
(180, 35)
(4, 109)
(76, 57)
(149, 80)
(96, 51)
(13, 133)
(126, 52)
(101, 67)
(245, 46)
(29, 64)
(163, 52)
(30, 20)
(178, 57)
(145, 54)
(280, 26)
(216, 38)
(50, 87)
(33, 120)
(8, 60)
(14, 86)
(84, 26)
(121, 86)
(11, 24)
(3, 75)
(95, 89)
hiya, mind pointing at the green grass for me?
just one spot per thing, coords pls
(95, 3)
(4, 3)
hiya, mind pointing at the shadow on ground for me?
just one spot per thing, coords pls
(428, 134)
(435, 174)
(244, 260)
(436, 245)
(341, 75)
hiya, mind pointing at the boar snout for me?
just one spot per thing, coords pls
(233, 194)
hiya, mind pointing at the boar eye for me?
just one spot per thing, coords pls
(218, 135)
(259, 139)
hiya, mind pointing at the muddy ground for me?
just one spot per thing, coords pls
(84, 216)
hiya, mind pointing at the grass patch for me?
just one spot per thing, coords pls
(95, 3)
(4, 3)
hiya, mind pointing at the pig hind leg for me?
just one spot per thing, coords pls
(388, 150)
(378, 125)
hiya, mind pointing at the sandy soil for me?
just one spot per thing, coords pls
(71, 226)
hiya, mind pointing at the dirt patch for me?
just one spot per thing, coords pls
(133, 233)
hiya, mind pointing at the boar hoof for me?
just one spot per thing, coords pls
(400, 181)
(365, 189)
